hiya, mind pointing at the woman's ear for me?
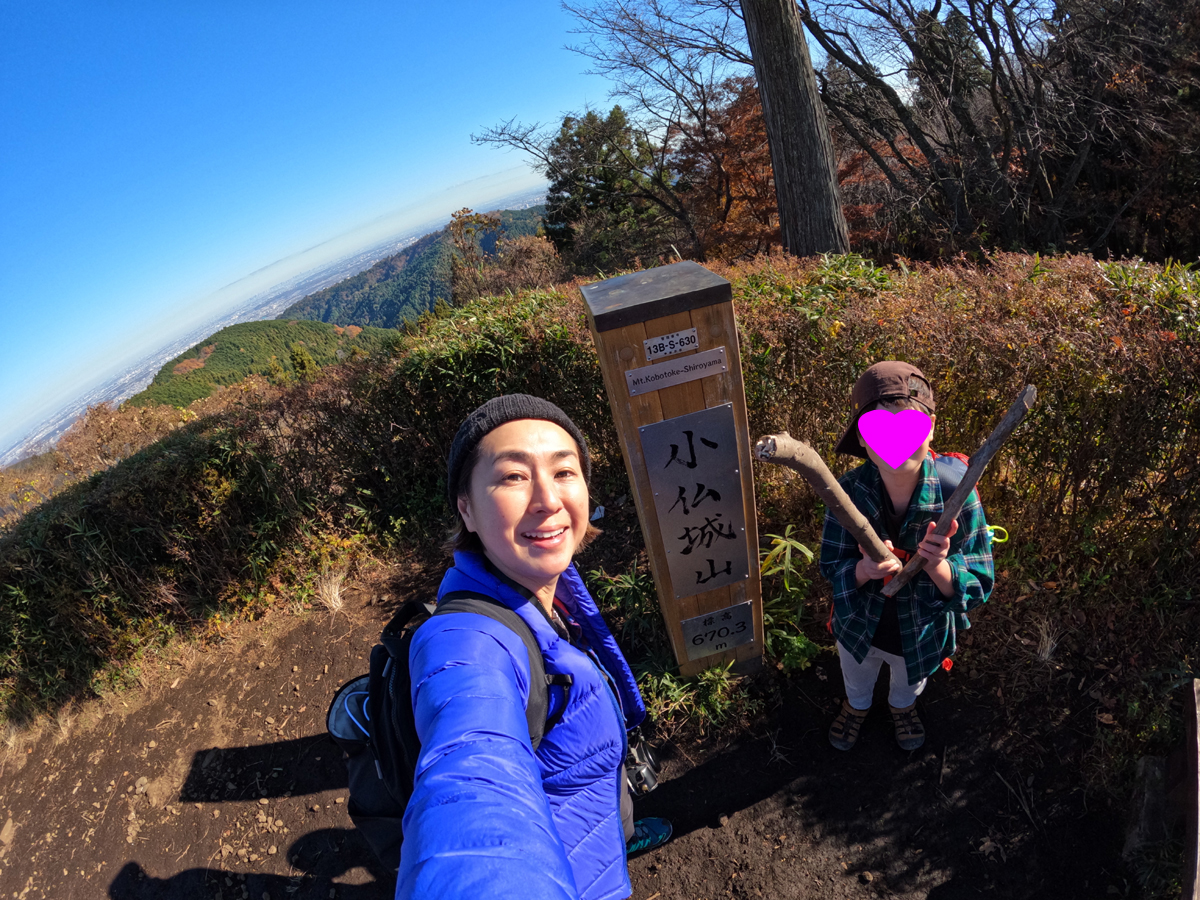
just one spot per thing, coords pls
(932, 424)
(464, 510)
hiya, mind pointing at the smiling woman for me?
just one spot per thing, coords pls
(490, 814)
(527, 503)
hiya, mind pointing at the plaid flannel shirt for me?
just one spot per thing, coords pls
(929, 620)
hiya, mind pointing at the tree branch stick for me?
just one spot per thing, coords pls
(952, 507)
(785, 450)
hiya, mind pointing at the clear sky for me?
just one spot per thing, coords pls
(152, 153)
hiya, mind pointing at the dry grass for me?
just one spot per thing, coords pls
(328, 589)
(1047, 642)
(64, 723)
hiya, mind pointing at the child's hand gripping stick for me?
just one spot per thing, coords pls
(785, 450)
(952, 507)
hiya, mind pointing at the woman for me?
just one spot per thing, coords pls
(489, 816)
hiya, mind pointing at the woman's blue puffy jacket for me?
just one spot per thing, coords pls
(489, 817)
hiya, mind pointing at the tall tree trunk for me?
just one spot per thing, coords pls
(810, 210)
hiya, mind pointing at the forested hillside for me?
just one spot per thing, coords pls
(407, 284)
(279, 349)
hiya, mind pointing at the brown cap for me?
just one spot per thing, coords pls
(888, 380)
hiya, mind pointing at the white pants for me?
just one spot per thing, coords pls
(860, 678)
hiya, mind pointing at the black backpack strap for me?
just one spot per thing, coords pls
(409, 610)
(564, 681)
(538, 706)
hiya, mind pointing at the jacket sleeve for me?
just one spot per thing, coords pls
(478, 824)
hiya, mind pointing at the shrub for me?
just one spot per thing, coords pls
(1099, 488)
(120, 561)
(99, 438)
(1104, 465)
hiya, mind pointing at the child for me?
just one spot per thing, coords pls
(913, 632)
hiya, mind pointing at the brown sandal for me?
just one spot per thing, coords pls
(910, 733)
(843, 733)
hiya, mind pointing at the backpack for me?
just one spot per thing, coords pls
(951, 467)
(371, 718)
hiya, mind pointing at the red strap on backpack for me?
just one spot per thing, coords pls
(961, 456)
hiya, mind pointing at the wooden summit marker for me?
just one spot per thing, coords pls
(668, 349)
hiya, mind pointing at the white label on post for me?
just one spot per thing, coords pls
(721, 629)
(677, 371)
(670, 344)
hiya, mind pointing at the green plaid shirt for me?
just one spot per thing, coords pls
(929, 620)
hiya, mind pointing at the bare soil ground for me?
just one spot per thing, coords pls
(217, 780)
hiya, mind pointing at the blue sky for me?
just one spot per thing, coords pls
(153, 153)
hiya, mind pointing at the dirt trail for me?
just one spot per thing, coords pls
(217, 781)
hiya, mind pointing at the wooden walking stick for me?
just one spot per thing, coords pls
(787, 451)
(980, 459)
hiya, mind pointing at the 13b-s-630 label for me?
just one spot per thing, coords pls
(670, 344)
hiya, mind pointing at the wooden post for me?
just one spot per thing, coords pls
(1191, 850)
(668, 349)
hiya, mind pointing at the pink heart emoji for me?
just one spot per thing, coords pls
(895, 436)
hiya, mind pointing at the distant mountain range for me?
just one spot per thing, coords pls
(406, 284)
(266, 304)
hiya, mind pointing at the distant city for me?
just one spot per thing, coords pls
(267, 304)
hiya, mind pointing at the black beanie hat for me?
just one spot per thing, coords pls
(492, 415)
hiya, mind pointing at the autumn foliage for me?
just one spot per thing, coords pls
(724, 166)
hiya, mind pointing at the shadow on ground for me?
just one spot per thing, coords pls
(329, 862)
(785, 815)
(282, 768)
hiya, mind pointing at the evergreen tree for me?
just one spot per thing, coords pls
(304, 365)
(277, 373)
(601, 209)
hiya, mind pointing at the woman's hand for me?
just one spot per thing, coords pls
(869, 570)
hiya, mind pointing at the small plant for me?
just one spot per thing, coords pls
(1048, 636)
(798, 652)
(718, 695)
(1158, 868)
(1037, 270)
(64, 720)
(850, 271)
(783, 609)
(630, 600)
(667, 697)
(780, 559)
(714, 698)
(1172, 291)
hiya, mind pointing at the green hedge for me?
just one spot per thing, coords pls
(1099, 488)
